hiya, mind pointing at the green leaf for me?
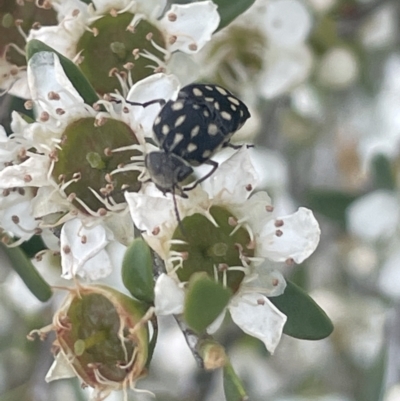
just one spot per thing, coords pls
(305, 319)
(230, 9)
(72, 71)
(205, 300)
(137, 271)
(383, 173)
(330, 203)
(27, 271)
(233, 387)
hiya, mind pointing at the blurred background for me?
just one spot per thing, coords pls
(322, 81)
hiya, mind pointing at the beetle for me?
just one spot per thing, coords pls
(189, 131)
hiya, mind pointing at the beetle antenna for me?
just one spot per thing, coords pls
(178, 218)
(161, 102)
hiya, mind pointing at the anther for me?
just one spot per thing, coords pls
(249, 187)
(279, 233)
(75, 12)
(260, 301)
(6, 192)
(185, 255)
(108, 178)
(95, 31)
(21, 191)
(159, 69)
(77, 175)
(129, 65)
(44, 116)
(289, 261)
(100, 121)
(15, 219)
(102, 212)
(172, 39)
(61, 178)
(275, 282)
(135, 53)
(71, 197)
(36, 25)
(113, 12)
(279, 223)
(131, 29)
(60, 111)
(113, 72)
(28, 105)
(53, 95)
(232, 221)
(156, 231)
(18, 22)
(38, 231)
(14, 71)
(149, 36)
(251, 245)
(66, 249)
(96, 107)
(193, 47)
(108, 151)
(83, 239)
(27, 178)
(269, 208)
(125, 110)
(172, 17)
(53, 155)
(222, 267)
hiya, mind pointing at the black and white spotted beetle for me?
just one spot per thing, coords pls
(189, 131)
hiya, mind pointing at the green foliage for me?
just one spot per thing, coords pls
(233, 387)
(78, 80)
(137, 271)
(330, 203)
(205, 300)
(231, 9)
(305, 319)
(28, 273)
(383, 173)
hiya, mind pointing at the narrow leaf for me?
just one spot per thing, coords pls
(205, 300)
(28, 273)
(305, 319)
(230, 9)
(233, 387)
(72, 71)
(137, 271)
(331, 204)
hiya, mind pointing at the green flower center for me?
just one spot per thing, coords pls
(213, 249)
(27, 15)
(94, 337)
(86, 157)
(246, 48)
(110, 46)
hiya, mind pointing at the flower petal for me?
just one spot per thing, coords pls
(297, 239)
(374, 216)
(258, 317)
(82, 251)
(169, 297)
(266, 281)
(32, 172)
(60, 369)
(191, 24)
(45, 75)
(156, 86)
(233, 180)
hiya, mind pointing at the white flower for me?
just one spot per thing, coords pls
(54, 175)
(148, 36)
(268, 239)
